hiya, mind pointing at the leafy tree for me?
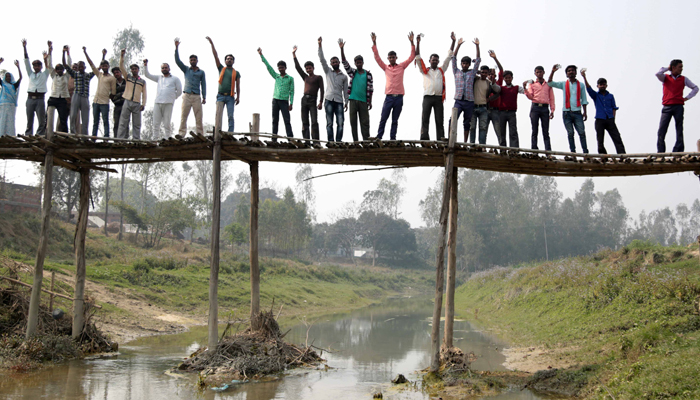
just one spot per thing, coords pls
(130, 39)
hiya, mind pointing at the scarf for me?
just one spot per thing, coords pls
(568, 94)
(9, 93)
(425, 71)
(233, 78)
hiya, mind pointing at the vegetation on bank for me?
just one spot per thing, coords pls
(627, 321)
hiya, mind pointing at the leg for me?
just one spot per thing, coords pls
(545, 129)
(472, 125)
(364, 119)
(353, 119)
(615, 136)
(495, 120)
(167, 113)
(284, 108)
(468, 116)
(219, 113)
(305, 111)
(136, 121)
(230, 104)
(513, 129)
(275, 117)
(74, 113)
(157, 120)
(600, 125)
(395, 114)
(502, 128)
(386, 110)
(483, 125)
(197, 109)
(29, 105)
(62, 108)
(84, 114)
(581, 130)
(124, 115)
(185, 112)
(95, 118)
(439, 117)
(105, 117)
(329, 119)
(666, 115)
(41, 117)
(340, 121)
(425, 119)
(117, 119)
(678, 117)
(313, 110)
(535, 124)
(569, 126)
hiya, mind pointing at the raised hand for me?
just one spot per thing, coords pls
(177, 42)
(294, 51)
(84, 49)
(209, 39)
(460, 41)
(1, 60)
(410, 36)
(45, 54)
(24, 42)
(583, 73)
(17, 63)
(122, 52)
(66, 48)
(104, 52)
(374, 38)
(417, 38)
(492, 54)
(476, 41)
(555, 67)
(145, 62)
(259, 51)
(50, 43)
(320, 40)
(341, 43)
(453, 37)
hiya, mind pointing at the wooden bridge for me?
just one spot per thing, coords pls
(83, 153)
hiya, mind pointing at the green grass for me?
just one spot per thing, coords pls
(630, 317)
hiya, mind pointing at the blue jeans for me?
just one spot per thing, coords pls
(334, 108)
(98, 109)
(393, 105)
(230, 102)
(468, 108)
(574, 119)
(481, 114)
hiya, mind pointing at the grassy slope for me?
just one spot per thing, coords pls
(628, 318)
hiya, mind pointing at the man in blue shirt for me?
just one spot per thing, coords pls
(605, 110)
(194, 78)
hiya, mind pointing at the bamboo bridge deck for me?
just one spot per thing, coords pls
(76, 151)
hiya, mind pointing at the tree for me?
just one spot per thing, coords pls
(305, 187)
(132, 216)
(66, 187)
(169, 216)
(130, 39)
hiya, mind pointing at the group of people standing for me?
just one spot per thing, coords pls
(486, 97)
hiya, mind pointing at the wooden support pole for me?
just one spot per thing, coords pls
(451, 264)
(254, 267)
(35, 299)
(215, 228)
(107, 204)
(79, 245)
(440, 257)
(255, 127)
(51, 296)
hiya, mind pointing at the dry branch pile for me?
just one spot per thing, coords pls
(454, 359)
(252, 353)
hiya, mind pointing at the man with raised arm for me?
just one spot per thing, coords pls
(464, 83)
(80, 104)
(360, 91)
(36, 91)
(433, 92)
(118, 99)
(605, 112)
(494, 105)
(393, 103)
(312, 85)
(191, 100)
(484, 88)
(673, 101)
(59, 93)
(574, 100)
(106, 86)
(282, 97)
(227, 95)
(134, 100)
(169, 89)
(542, 109)
(336, 94)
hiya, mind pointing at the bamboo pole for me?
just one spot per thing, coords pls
(79, 244)
(43, 290)
(451, 264)
(255, 126)
(35, 299)
(215, 228)
(254, 267)
(440, 257)
(51, 296)
(107, 204)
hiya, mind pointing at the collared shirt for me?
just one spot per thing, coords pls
(81, 81)
(59, 86)
(361, 86)
(284, 85)
(336, 81)
(106, 85)
(483, 89)
(432, 81)
(394, 73)
(541, 93)
(37, 80)
(661, 75)
(464, 81)
(169, 87)
(135, 86)
(574, 94)
(604, 103)
(193, 79)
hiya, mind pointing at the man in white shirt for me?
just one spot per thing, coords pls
(433, 92)
(36, 91)
(59, 94)
(169, 89)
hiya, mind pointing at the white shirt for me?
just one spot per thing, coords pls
(37, 81)
(432, 81)
(169, 87)
(59, 87)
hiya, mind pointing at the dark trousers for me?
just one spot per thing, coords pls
(433, 103)
(283, 107)
(540, 114)
(334, 108)
(98, 109)
(574, 120)
(601, 125)
(35, 106)
(115, 118)
(393, 104)
(675, 111)
(467, 107)
(308, 108)
(361, 109)
(508, 120)
(61, 105)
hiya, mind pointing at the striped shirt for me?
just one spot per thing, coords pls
(284, 85)
(464, 81)
(82, 81)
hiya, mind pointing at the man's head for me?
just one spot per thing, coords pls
(602, 84)
(59, 69)
(309, 67)
(282, 67)
(466, 63)
(434, 60)
(165, 69)
(492, 74)
(81, 66)
(104, 66)
(359, 62)
(571, 72)
(676, 67)
(117, 73)
(508, 77)
(335, 63)
(392, 57)
(229, 60)
(539, 72)
(134, 69)
(484, 71)
(36, 65)
(74, 67)
(193, 60)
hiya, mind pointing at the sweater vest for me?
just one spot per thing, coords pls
(509, 98)
(673, 90)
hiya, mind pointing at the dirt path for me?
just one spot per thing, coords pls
(533, 359)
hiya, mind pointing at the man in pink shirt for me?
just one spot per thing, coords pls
(542, 97)
(393, 103)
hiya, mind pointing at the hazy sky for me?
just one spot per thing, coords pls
(623, 41)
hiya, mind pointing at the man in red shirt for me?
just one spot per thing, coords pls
(673, 102)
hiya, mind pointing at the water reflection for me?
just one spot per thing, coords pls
(368, 348)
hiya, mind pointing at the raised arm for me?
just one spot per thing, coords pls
(179, 63)
(324, 64)
(94, 69)
(216, 55)
(121, 63)
(417, 45)
(376, 52)
(493, 55)
(297, 66)
(412, 56)
(27, 64)
(148, 74)
(104, 54)
(48, 56)
(555, 68)
(267, 65)
(661, 74)
(19, 70)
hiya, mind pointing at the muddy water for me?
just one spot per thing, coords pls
(369, 347)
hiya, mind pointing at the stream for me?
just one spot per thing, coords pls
(369, 347)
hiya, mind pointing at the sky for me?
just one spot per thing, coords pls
(624, 41)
